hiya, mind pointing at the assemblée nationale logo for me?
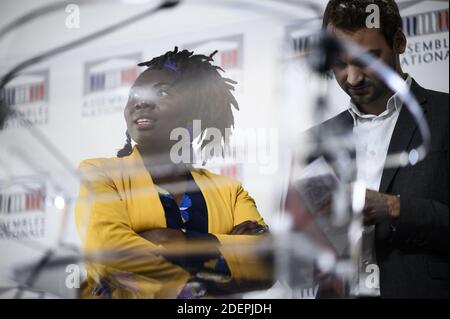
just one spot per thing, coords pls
(300, 39)
(106, 84)
(427, 34)
(426, 23)
(229, 57)
(27, 95)
(22, 210)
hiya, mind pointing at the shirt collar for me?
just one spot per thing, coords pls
(394, 104)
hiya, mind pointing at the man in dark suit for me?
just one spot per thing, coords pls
(406, 212)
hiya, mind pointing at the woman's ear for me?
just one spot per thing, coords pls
(399, 42)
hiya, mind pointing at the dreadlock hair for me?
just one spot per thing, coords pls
(212, 94)
(127, 148)
(351, 15)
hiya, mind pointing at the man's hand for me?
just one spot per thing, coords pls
(380, 206)
(163, 236)
(249, 228)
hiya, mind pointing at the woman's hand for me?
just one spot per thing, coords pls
(163, 236)
(249, 227)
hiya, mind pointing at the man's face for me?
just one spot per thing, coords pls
(356, 80)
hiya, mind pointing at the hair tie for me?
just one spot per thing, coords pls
(170, 65)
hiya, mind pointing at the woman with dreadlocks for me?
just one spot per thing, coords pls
(137, 207)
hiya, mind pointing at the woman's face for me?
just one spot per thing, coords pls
(155, 108)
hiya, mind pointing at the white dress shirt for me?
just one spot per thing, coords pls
(372, 135)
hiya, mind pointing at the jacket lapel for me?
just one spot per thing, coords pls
(147, 211)
(402, 135)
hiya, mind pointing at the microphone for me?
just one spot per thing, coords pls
(324, 53)
(169, 4)
(5, 111)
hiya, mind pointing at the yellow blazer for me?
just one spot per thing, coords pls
(118, 199)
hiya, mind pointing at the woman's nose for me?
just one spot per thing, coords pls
(144, 105)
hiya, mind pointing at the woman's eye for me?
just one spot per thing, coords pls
(162, 93)
(136, 96)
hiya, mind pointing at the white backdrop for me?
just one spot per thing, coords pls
(77, 98)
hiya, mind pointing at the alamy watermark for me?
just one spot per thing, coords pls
(373, 19)
(373, 278)
(258, 146)
(75, 275)
(72, 20)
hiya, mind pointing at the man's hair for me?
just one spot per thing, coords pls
(351, 15)
(212, 98)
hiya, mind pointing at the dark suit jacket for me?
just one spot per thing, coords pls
(413, 259)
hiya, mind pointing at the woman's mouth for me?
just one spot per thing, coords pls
(144, 123)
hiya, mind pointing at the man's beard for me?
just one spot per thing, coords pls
(375, 90)
(377, 87)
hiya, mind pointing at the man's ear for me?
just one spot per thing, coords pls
(399, 42)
